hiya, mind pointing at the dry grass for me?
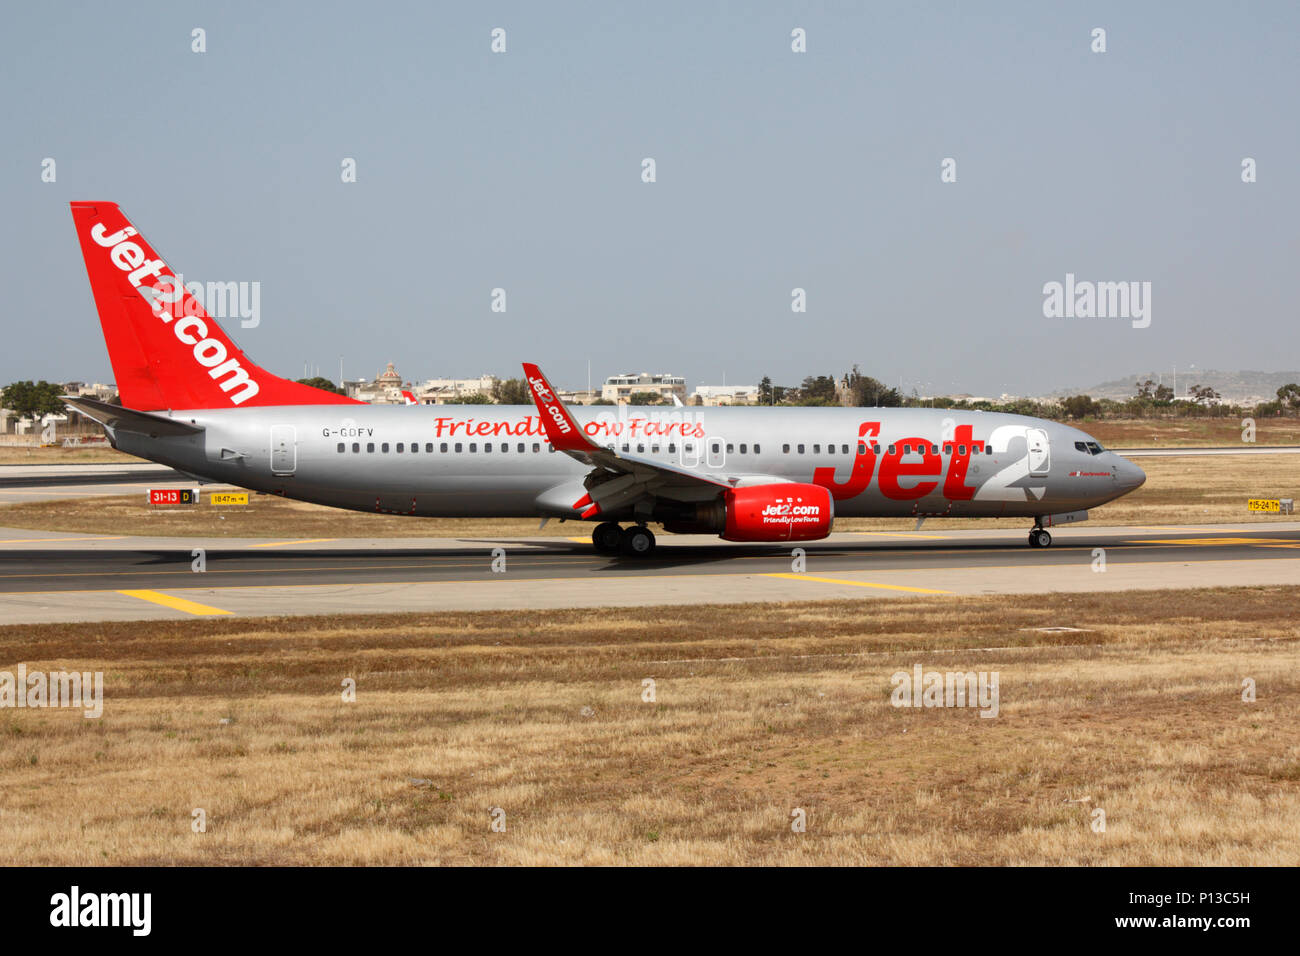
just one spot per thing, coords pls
(23, 455)
(756, 714)
(1153, 432)
(1178, 490)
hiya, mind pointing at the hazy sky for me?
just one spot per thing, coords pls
(775, 170)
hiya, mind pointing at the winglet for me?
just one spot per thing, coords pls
(565, 433)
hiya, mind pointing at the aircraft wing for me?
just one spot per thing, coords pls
(616, 479)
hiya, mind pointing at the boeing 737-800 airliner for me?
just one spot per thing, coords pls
(191, 399)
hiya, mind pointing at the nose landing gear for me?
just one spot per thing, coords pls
(1038, 537)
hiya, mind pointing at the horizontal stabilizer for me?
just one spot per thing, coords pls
(117, 418)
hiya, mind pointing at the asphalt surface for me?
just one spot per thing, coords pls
(20, 483)
(87, 567)
(51, 577)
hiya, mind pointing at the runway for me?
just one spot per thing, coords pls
(47, 577)
(19, 483)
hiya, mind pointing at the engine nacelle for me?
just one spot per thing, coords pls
(785, 512)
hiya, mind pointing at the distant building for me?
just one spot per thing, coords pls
(97, 390)
(451, 391)
(386, 389)
(620, 388)
(725, 395)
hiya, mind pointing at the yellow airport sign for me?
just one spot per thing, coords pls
(1264, 504)
(228, 497)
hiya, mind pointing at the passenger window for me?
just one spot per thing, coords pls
(947, 449)
(415, 446)
(384, 448)
(875, 449)
(401, 447)
(844, 449)
(459, 446)
(536, 447)
(520, 448)
(550, 448)
(817, 449)
(961, 449)
(716, 446)
(731, 449)
(742, 449)
(487, 446)
(654, 449)
(370, 448)
(672, 448)
(862, 449)
(627, 447)
(891, 449)
(356, 447)
(907, 449)
(785, 449)
(640, 449)
(443, 448)
(341, 446)
(801, 449)
(988, 449)
(473, 446)
(757, 450)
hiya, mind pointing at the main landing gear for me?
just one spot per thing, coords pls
(1038, 537)
(637, 541)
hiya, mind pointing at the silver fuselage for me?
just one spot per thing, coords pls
(495, 461)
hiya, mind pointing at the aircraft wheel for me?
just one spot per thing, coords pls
(1039, 538)
(607, 537)
(637, 541)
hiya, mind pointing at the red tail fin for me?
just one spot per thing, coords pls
(167, 352)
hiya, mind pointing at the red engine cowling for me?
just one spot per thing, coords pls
(785, 512)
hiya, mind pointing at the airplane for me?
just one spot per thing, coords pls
(192, 400)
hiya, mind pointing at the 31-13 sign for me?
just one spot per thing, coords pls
(173, 496)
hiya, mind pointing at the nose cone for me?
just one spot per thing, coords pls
(1129, 475)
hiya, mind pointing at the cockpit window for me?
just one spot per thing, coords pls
(1081, 446)
(1094, 448)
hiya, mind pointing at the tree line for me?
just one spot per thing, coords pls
(1149, 400)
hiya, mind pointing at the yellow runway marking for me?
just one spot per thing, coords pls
(643, 577)
(115, 537)
(281, 544)
(857, 584)
(176, 603)
(1169, 528)
(581, 540)
(1212, 542)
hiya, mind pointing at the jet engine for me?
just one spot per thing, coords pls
(788, 511)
